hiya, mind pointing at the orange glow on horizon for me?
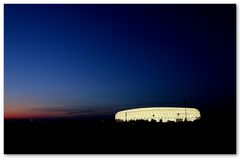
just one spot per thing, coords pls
(26, 115)
(18, 112)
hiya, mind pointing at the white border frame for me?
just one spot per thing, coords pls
(104, 2)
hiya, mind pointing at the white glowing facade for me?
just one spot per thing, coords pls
(158, 114)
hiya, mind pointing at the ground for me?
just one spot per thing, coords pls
(70, 136)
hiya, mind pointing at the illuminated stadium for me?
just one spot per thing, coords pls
(159, 114)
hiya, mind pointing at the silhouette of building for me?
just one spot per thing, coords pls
(159, 114)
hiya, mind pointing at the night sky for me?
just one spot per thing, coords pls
(88, 60)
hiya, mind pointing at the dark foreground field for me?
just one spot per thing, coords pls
(207, 136)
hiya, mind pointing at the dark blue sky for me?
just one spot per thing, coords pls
(99, 58)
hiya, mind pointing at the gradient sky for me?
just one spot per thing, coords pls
(85, 60)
